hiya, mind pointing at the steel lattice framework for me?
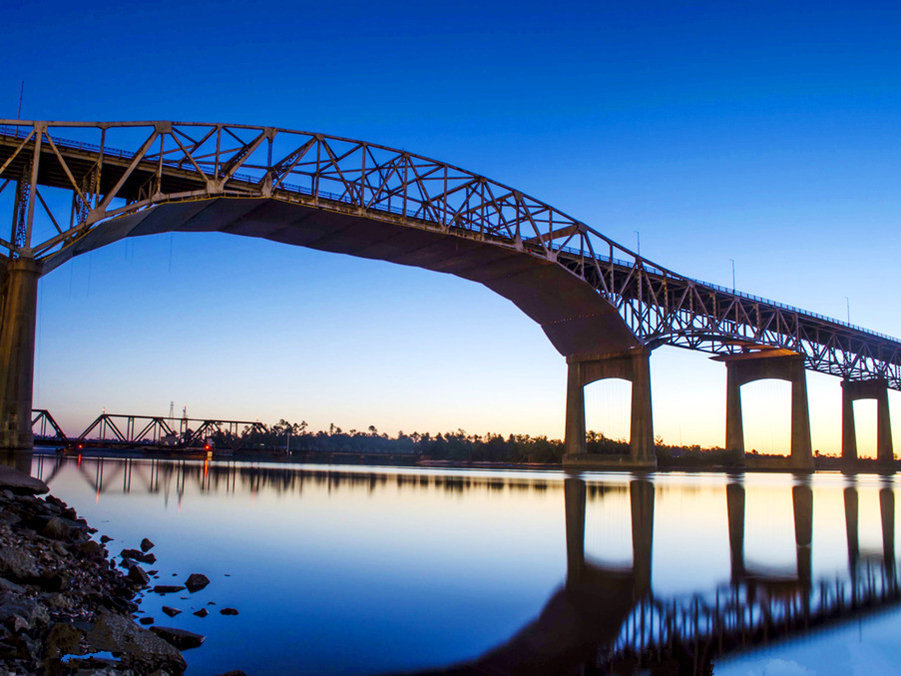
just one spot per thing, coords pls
(115, 169)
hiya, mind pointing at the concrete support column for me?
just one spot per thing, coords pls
(852, 390)
(17, 328)
(851, 529)
(574, 439)
(801, 448)
(641, 438)
(849, 431)
(633, 365)
(735, 434)
(885, 453)
(641, 498)
(746, 367)
(735, 508)
(802, 507)
(574, 498)
(887, 512)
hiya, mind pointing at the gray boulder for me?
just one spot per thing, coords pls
(17, 564)
(181, 639)
(140, 649)
(21, 483)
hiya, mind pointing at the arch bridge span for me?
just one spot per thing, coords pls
(77, 186)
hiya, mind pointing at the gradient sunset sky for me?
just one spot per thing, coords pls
(766, 133)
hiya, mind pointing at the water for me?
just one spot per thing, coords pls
(362, 570)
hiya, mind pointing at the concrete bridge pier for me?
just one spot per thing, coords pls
(634, 366)
(17, 329)
(574, 499)
(802, 508)
(851, 529)
(877, 389)
(641, 500)
(735, 509)
(887, 514)
(747, 367)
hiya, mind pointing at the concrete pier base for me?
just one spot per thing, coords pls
(17, 329)
(783, 365)
(877, 389)
(633, 366)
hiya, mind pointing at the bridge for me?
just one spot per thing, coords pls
(602, 306)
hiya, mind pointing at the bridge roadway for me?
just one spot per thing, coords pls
(603, 306)
(604, 616)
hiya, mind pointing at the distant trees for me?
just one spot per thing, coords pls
(458, 446)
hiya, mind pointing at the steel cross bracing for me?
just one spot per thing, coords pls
(127, 428)
(112, 169)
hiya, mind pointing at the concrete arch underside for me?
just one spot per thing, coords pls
(579, 322)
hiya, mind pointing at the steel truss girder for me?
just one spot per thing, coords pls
(176, 161)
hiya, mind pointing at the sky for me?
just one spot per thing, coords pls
(762, 133)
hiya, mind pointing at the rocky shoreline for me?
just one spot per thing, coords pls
(66, 608)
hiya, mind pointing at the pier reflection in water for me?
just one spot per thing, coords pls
(428, 568)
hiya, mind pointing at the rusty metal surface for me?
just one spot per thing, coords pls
(591, 295)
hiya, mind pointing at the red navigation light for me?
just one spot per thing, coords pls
(206, 447)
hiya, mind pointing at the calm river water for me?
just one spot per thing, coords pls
(364, 570)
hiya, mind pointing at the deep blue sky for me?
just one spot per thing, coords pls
(763, 132)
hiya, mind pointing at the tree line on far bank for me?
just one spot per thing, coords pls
(298, 439)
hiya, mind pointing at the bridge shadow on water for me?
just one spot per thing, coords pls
(603, 619)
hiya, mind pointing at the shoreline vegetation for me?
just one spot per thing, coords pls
(295, 441)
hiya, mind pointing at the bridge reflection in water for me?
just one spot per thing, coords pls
(604, 618)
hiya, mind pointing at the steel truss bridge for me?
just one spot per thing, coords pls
(77, 186)
(131, 430)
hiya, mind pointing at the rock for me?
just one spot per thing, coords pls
(233, 672)
(90, 550)
(138, 575)
(53, 581)
(21, 612)
(59, 528)
(167, 588)
(20, 483)
(62, 640)
(146, 620)
(181, 639)
(203, 612)
(196, 582)
(139, 648)
(6, 585)
(228, 611)
(146, 545)
(170, 611)
(105, 538)
(136, 555)
(57, 601)
(18, 564)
